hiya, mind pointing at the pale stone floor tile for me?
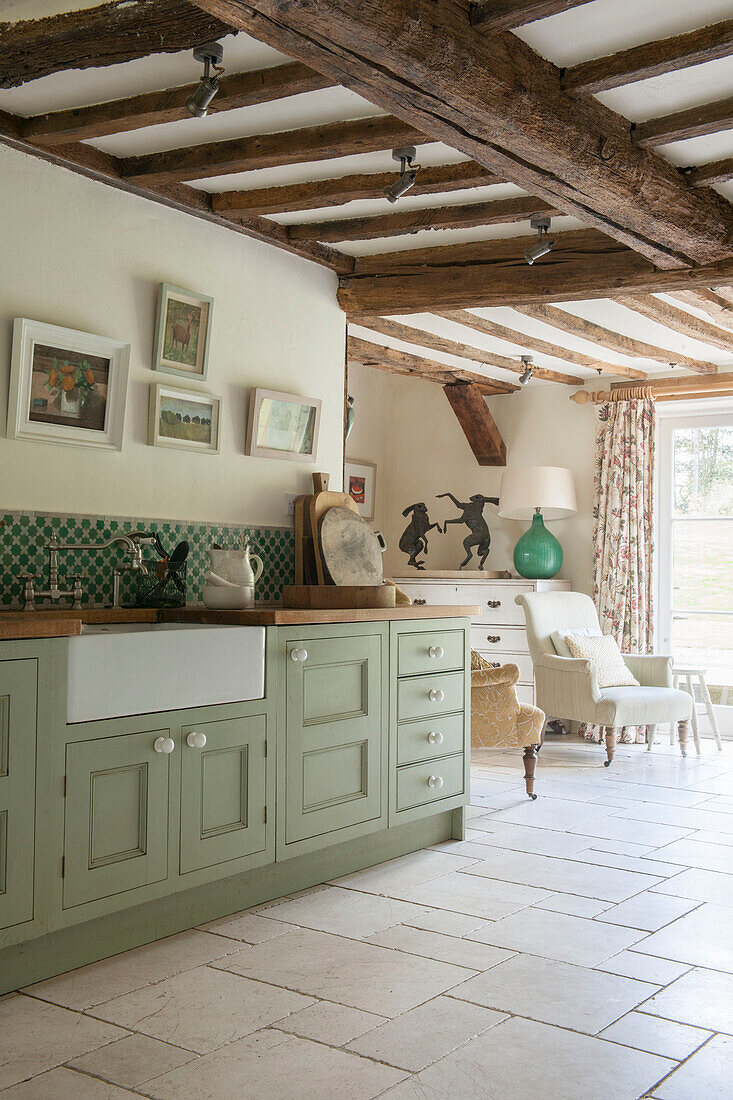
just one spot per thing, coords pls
(474, 849)
(557, 936)
(36, 1036)
(655, 1035)
(699, 885)
(670, 796)
(573, 904)
(521, 838)
(477, 896)
(409, 870)
(621, 847)
(555, 992)
(644, 865)
(201, 1009)
(701, 938)
(695, 853)
(273, 1064)
(445, 922)
(131, 1061)
(66, 1084)
(345, 912)
(706, 836)
(431, 945)
(248, 927)
(648, 912)
(553, 813)
(682, 817)
(520, 1060)
(325, 1022)
(562, 875)
(703, 998)
(705, 1076)
(638, 832)
(645, 968)
(426, 1033)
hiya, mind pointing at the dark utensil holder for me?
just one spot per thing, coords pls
(163, 584)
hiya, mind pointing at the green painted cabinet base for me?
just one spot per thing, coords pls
(18, 685)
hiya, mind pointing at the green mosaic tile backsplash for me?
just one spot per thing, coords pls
(24, 534)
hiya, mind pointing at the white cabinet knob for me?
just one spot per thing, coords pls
(196, 740)
(436, 651)
(435, 782)
(435, 695)
(164, 744)
(298, 654)
(435, 738)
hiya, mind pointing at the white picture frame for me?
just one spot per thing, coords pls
(187, 356)
(283, 425)
(90, 412)
(188, 408)
(360, 482)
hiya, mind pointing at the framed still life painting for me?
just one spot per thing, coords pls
(360, 482)
(283, 425)
(184, 419)
(67, 386)
(182, 332)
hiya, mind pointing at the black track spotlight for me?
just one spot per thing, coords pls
(526, 374)
(543, 246)
(210, 56)
(408, 172)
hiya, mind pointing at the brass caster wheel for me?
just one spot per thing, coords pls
(684, 752)
(606, 763)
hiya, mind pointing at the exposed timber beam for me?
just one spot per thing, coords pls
(217, 158)
(496, 100)
(615, 341)
(679, 320)
(503, 15)
(500, 212)
(651, 59)
(477, 423)
(711, 118)
(394, 361)
(534, 344)
(105, 35)
(153, 108)
(425, 339)
(716, 307)
(318, 194)
(715, 171)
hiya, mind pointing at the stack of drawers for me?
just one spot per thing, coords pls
(498, 632)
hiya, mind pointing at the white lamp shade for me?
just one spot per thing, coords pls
(526, 488)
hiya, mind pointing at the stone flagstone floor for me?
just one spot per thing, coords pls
(574, 948)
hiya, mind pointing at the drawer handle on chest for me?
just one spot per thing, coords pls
(435, 738)
(493, 603)
(494, 664)
(435, 782)
(436, 651)
(420, 602)
(493, 638)
(298, 654)
(164, 744)
(435, 695)
(196, 739)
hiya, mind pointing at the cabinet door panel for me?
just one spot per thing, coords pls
(18, 687)
(223, 792)
(116, 829)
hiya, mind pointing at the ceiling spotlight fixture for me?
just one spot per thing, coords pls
(543, 246)
(408, 172)
(210, 56)
(528, 370)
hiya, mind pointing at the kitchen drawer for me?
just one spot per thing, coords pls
(505, 638)
(522, 660)
(433, 651)
(525, 693)
(430, 737)
(420, 784)
(496, 602)
(414, 695)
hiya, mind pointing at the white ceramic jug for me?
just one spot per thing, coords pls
(235, 566)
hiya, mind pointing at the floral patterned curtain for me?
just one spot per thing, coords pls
(623, 529)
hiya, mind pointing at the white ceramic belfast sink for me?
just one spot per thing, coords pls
(136, 668)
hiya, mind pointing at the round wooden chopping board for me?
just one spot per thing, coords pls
(351, 551)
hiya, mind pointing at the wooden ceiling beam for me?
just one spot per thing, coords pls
(504, 15)
(667, 55)
(105, 35)
(534, 344)
(711, 118)
(477, 423)
(369, 354)
(502, 211)
(318, 194)
(153, 108)
(679, 320)
(615, 341)
(715, 171)
(716, 307)
(217, 158)
(496, 100)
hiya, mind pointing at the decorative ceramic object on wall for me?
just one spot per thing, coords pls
(67, 386)
(350, 416)
(184, 419)
(182, 332)
(472, 514)
(360, 482)
(414, 539)
(283, 425)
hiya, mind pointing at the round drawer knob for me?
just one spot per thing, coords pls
(435, 782)
(436, 651)
(435, 695)
(298, 654)
(196, 740)
(435, 738)
(164, 744)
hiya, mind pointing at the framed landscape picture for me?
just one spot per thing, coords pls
(182, 332)
(184, 419)
(283, 425)
(360, 482)
(67, 386)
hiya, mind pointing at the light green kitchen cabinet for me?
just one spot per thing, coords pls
(116, 815)
(223, 791)
(18, 687)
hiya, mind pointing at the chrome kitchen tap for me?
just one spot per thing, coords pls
(132, 545)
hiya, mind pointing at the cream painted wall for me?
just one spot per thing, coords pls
(82, 255)
(408, 428)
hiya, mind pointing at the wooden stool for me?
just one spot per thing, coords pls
(696, 676)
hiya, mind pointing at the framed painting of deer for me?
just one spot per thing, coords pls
(182, 332)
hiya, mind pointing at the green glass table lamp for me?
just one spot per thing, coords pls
(537, 493)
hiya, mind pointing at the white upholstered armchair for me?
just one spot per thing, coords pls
(567, 687)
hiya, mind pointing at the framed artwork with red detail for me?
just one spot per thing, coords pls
(360, 482)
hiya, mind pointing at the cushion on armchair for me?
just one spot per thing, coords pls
(561, 646)
(606, 656)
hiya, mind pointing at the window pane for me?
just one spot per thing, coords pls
(702, 566)
(707, 642)
(703, 471)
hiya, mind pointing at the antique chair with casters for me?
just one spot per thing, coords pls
(499, 720)
(568, 686)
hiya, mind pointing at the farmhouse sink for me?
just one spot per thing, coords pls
(137, 668)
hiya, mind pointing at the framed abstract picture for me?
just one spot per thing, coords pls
(360, 482)
(184, 419)
(283, 425)
(182, 332)
(67, 386)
